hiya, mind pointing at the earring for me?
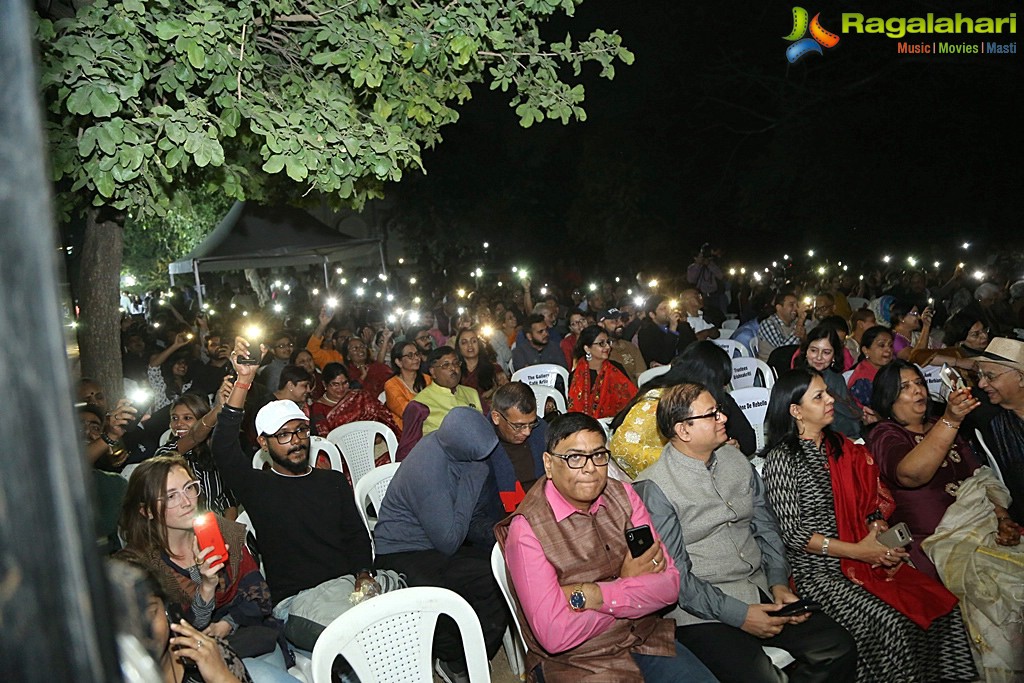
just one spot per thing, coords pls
(588, 356)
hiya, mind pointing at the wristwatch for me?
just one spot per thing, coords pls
(577, 599)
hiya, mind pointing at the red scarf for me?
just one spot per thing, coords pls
(858, 492)
(610, 393)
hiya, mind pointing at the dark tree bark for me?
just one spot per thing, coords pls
(99, 330)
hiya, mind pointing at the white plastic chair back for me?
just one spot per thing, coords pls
(371, 489)
(243, 519)
(753, 345)
(543, 373)
(731, 324)
(753, 401)
(317, 445)
(745, 373)
(847, 375)
(126, 472)
(260, 459)
(856, 302)
(725, 334)
(650, 373)
(355, 441)
(389, 638)
(992, 462)
(543, 393)
(517, 646)
(732, 347)
(165, 437)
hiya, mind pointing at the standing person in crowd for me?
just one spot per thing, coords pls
(435, 526)
(598, 387)
(663, 333)
(709, 507)
(369, 375)
(192, 422)
(691, 303)
(826, 492)
(823, 352)
(577, 321)
(321, 343)
(1001, 369)
(906, 320)
(875, 353)
(407, 381)
(479, 371)
(623, 352)
(342, 404)
(705, 274)
(784, 327)
(223, 597)
(280, 350)
(539, 347)
(168, 371)
(445, 393)
(587, 607)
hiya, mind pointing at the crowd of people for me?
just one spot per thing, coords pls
(855, 445)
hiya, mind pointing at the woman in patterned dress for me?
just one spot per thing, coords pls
(829, 500)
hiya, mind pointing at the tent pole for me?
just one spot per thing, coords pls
(199, 285)
(327, 279)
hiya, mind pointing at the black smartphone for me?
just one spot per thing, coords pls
(639, 539)
(801, 606)
(174, 616)
(247, 360)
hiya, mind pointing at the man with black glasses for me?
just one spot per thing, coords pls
(518, 461)
(306, 520)
(709, 506)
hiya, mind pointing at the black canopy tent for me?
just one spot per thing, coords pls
(256, 236)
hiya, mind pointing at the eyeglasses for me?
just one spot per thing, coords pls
(284, 346)
(519, 427)
(979, 333)
(993, 376)
(175, 499)
(603, 343)
(285, 438)
(577, 461)
(719, 410)
(448, 365)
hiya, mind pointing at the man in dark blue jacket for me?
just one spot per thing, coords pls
(518, 461)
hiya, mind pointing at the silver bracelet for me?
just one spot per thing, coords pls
(824, 546)
(954, 427)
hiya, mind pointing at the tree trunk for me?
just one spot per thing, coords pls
(260, 286)
(99, 329)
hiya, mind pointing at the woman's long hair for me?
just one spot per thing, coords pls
(780, 426)
(588, 335)
(142, 509)
(397, 350)
(485, 374)
(703, 362)
(822, 332)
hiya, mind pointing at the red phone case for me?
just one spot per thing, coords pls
(207, 534)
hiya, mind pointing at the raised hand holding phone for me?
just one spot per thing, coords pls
(210, 546)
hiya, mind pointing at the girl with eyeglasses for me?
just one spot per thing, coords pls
(598, 387)
(226, 600)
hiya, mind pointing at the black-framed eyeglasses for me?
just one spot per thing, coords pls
(603, 343)
(577, 461)
(719, 410)
(518, 427)
(285, 438)
(175, 499)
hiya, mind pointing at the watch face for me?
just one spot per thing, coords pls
(577, 600)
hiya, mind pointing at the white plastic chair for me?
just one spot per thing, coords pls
(753, 345)
(261, 458)
(732, 347)
(318, 444)
(731, 324)
(753, 401)
(371, 489)
(543, 393)
(992, 462)
(725, 334)
(856, 302)
(745, 370)
(388, 639)
(543, 373)
(650, 373)
(515, 648)
(355, 441)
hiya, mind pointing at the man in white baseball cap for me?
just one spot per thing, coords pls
(284, 419)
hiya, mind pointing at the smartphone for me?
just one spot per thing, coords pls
(247, 360)
(174, 616)
(639, 539)
(951, 378)
(801, 606)
(897, 536)
(208, 534)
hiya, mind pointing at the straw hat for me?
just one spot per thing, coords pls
(1003, 351)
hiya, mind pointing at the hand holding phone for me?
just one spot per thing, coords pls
(897, 536)
(639, 539)
(208, 535)
(793, 609)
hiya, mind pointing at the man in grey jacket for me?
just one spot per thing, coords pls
(709, 507)
(436, 526)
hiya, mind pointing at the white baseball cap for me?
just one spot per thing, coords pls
(275, 414)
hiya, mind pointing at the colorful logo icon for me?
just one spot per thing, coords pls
(801, 47)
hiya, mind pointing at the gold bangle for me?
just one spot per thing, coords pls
(202, 421)
(954, 427)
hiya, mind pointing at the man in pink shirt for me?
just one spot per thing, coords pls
(587, 607)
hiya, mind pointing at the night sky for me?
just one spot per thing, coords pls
(713, 136)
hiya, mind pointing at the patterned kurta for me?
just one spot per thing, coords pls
(890, 647)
